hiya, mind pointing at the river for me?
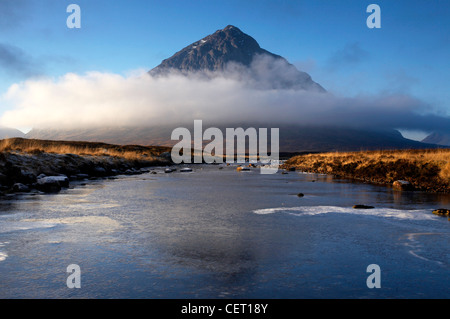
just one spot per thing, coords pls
(219, 233)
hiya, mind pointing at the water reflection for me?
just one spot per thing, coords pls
(196, 234)
(231, 262)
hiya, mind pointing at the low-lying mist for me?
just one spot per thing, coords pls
(97, 99)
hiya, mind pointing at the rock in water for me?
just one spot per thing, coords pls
(442, 212)
(362, 206)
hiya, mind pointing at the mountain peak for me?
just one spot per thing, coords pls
(229, 27)
(234, 32)
(230, 46)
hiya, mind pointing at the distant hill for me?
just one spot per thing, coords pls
(326, 139)
(292, 138)
(438, 138)
(6, 132)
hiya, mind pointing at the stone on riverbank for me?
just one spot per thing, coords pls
(402, 185)
(20, 188)
(52, 184)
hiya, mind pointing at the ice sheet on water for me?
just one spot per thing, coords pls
(378, 212)
(102, 223)
(12, 226)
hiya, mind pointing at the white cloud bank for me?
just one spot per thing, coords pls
(103, 100)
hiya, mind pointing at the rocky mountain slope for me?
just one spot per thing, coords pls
(234, 53)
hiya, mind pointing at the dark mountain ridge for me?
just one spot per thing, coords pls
(293, 138)
(231, 52)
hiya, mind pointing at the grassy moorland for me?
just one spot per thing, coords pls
(24, 163)
(129, 152)
(427, 170)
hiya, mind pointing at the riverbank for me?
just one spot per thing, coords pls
(426, 170)
(42, 165)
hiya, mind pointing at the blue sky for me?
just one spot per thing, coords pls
(328, 39)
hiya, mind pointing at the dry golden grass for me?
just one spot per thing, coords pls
(427, 169)
(445, 172)
(129, 152)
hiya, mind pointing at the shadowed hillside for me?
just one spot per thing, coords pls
(293, 138)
